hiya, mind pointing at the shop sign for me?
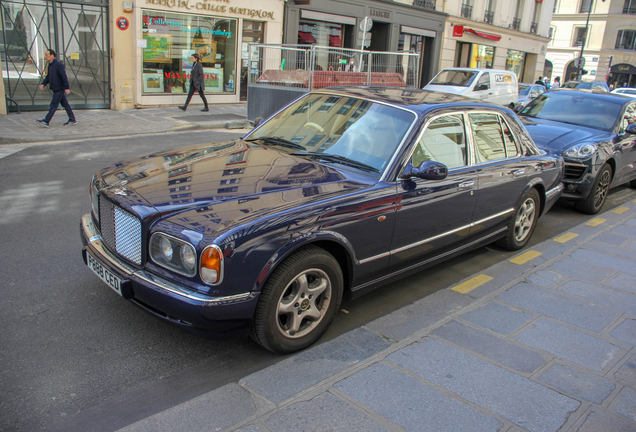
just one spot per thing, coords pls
(458, 30)
(380, 13)
(623, 68)
(212, 7)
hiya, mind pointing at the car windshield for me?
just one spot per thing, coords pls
(350, 128)
(524, 89)
(575, 108)
(454, 77)
(579, 85)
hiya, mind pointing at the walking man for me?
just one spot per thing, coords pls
(58, 81)
(196, 82)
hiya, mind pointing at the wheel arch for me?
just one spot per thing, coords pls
(537, 184)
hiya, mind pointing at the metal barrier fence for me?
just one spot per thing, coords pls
(277, 74)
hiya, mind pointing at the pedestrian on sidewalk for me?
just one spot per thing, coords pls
(56, 78)
(196, 82)
(557, 83)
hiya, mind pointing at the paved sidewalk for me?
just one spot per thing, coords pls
(22, 128)
(543, 342)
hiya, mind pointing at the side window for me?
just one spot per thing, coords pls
(483, 80)
(488, 137)
(509, 139)
(629, 117)
(444, 140)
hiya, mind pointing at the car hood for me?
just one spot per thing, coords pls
(215, 185)
(555, 137)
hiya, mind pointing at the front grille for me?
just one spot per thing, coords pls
(574, 171)
(120, 230)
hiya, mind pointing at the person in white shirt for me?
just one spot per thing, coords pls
(557, 83)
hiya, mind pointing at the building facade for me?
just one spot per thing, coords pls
(412, 26)
(608, 46)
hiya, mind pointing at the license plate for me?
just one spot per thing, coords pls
(110, 279)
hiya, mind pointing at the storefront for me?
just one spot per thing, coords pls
(622, 75)
(165, 34)
(396, 27)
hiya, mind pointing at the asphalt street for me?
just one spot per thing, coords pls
(75, 356)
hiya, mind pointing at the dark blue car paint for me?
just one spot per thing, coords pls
(345, 211)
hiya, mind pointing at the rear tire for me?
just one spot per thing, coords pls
(522, 223)
(594, 201)
(298, 302)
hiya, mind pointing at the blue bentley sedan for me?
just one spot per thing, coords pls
(340, 192)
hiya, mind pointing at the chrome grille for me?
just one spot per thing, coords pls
(120, 230)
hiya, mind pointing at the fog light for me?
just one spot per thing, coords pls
(571, 187)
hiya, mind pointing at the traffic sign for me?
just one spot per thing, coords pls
(366, 24)
(579, 62)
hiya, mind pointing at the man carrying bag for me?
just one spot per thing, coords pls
(58, 81)
(196, 82)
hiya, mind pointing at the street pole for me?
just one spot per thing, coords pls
(587, 25)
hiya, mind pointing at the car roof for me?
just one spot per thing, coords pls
(414, 99)
(613, 97)
(480, 70)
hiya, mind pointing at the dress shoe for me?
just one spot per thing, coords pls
(205, 109)
(182, 108)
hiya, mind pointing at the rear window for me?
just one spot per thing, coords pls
(454, 78)
(523, 89)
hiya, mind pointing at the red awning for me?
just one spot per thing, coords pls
(307, 37)
(483, 34)
(335, 41)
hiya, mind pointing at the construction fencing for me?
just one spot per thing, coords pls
(278, 74)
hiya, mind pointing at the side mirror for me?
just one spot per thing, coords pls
(631, 128)
(482, 87)
(428, 170)
(258, 121)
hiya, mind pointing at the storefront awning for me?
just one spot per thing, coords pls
(483, 34)
(335, 41)
(307, 37)
(623, 68)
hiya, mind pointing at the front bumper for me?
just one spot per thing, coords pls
(179, 305)
(578, 180)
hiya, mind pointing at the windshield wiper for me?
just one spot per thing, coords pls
(279, 141)
(340, 159)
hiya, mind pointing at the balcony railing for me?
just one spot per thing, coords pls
(467, 11)
(533, 27)
(629, 9)
(516, 23)
(424, 4)
(488, 16)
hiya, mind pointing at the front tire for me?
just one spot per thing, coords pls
(299, 301)
(523, 222)
(594, 201)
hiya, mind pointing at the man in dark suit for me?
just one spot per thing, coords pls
(196, 82)
(58, 81)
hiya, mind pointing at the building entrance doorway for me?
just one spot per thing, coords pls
(77, 32)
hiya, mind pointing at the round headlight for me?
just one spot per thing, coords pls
(166, 249)
(188, 258)
(586, 150)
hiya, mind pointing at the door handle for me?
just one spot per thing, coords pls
(466, 185)
(518, 172)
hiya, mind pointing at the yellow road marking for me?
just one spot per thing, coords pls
(184, 126)
(471, 284)
(524, 258)
(565, 237)
(596, 222)
(620, 210)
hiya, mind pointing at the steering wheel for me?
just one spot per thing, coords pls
(314, 126)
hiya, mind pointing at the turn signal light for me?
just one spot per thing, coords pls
(212, 265)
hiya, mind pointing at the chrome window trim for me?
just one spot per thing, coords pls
(222, 266)
(473, 145)
(430, 239)
(398, 149)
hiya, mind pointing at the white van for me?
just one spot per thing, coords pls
(489, 85)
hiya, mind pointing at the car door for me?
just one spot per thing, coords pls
(434, 216)
(482, 89)
(501, 171)
(625, 148)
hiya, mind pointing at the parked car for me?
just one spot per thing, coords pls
(594, 132)
(342, 191)
(527, 92)
(625, 91)
(599, 86)
(487, 85)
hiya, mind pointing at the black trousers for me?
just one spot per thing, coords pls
(59, 97)
(191, 92)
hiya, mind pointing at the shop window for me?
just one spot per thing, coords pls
(171, 39)
(515, 61)
(482, 56)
